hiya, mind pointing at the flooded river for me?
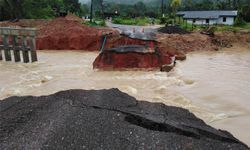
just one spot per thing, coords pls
(213, 85)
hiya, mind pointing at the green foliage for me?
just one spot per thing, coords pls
(239, 21)
(95, 23)
(138, 9)
(12, 9)
(175, 4)
(245, 12)
(39, 9)
(42, 9)
(233, 28)
(244, 26)
(132, 21)
(163, 20)
(226, 28)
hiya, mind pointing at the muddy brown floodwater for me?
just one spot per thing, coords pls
(213, 85)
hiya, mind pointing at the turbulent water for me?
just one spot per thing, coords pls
(213, 85)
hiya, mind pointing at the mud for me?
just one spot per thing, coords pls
(107, 119)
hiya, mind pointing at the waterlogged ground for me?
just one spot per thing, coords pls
(213, 85)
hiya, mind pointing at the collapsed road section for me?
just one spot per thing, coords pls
(104, 119)
(127, 55)
(131, 57)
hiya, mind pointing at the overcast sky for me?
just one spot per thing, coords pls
(84, 1)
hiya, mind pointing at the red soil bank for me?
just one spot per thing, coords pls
(130, 60)
(63, 34)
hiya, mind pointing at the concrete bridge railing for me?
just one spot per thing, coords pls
(18, 44)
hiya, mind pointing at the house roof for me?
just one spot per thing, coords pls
(214, 14)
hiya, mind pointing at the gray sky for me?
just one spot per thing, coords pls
(84, 1)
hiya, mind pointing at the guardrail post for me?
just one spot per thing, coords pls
(25, 49)
(16, 51)
(33, 49)
(6, 51)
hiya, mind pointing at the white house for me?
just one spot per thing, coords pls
(209, 17)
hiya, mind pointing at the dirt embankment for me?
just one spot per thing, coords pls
(177, 44)
(186, 42)
(64, 34)
(228, 39)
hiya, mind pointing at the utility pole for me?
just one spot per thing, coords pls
(102, 9)
(162, 8)
(91, 11)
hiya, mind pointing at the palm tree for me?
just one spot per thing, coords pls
(175, 4)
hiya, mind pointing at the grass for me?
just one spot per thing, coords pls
(141, 21)
(245, 26)
(189, 27)
(233, 28)
(95, 23)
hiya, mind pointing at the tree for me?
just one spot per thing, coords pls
(245, 12)
(10, 9)
(222, 5)
(38, 9)
(206, 5)
(175, 4)
(140, 9)
(229, 4)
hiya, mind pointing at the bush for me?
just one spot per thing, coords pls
(95, 23)
(239, 21)
(163, 20)
(245, 12)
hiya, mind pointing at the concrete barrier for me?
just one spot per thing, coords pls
(18, 44)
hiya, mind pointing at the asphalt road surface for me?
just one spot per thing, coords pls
(104, 119)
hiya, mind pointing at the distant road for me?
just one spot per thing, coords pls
(133, 31)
